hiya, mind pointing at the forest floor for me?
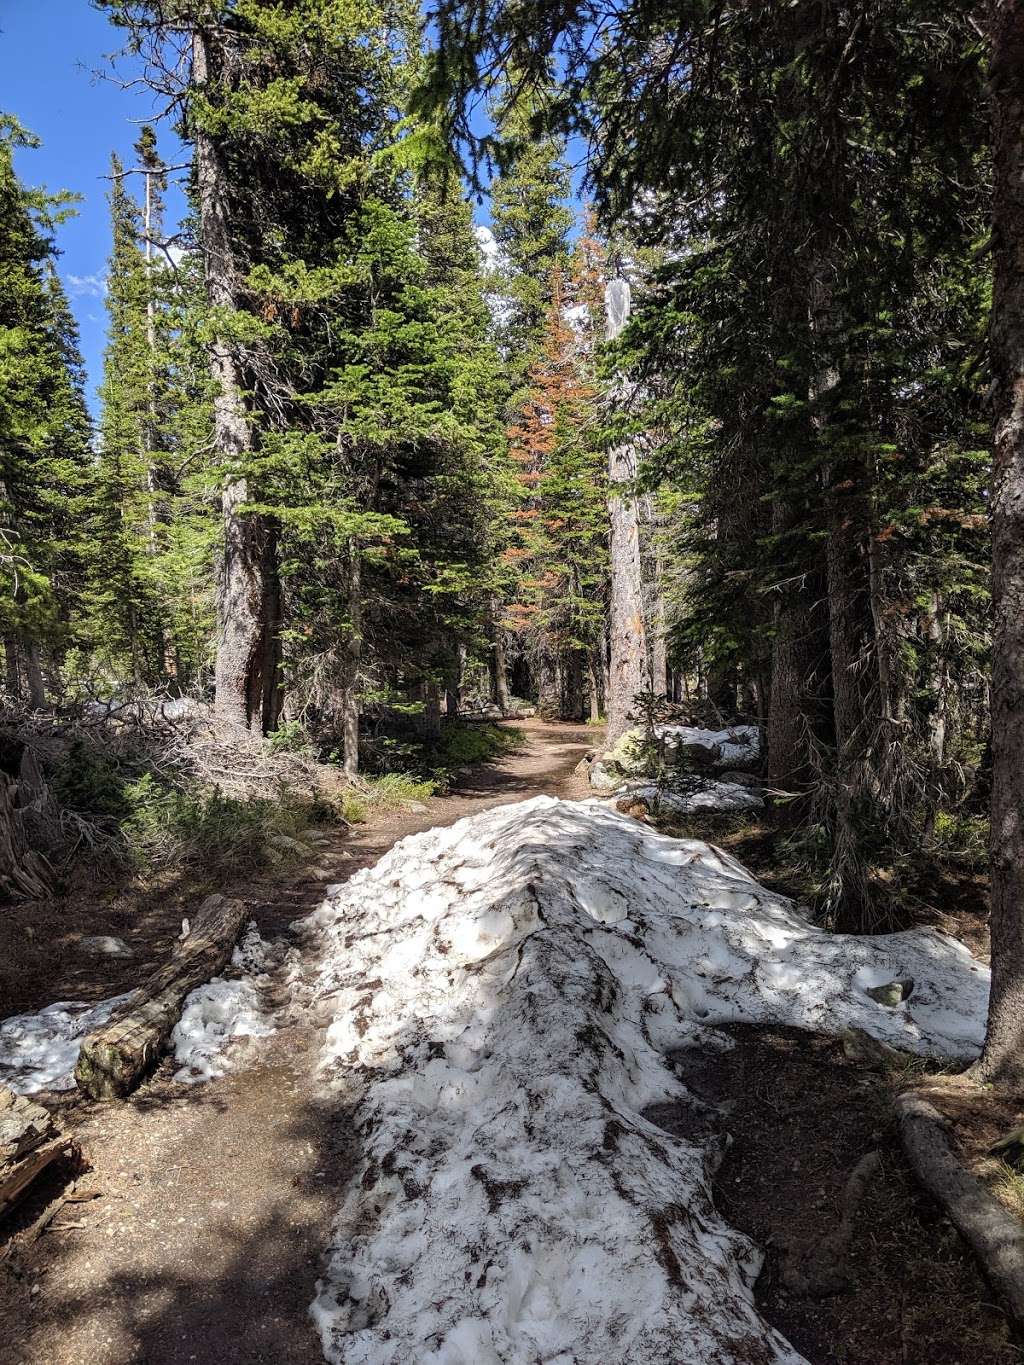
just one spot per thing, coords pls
(216, 1200)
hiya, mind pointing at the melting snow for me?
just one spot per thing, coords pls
(503, 994)
(697, 797)
(39, 1051)
(737, 746)
(222, 1010)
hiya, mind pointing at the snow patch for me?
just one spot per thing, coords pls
(697, 797)
(503, 993)
(222, 1010)
(736, 746)
(39, 1051)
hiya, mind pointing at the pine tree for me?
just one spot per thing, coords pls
(44, 437)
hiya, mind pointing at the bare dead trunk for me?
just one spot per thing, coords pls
(1003, 1057)
(242, 589)
(628, 668)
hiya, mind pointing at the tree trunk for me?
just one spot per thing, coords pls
(242, 589)
(12, 670)
(628, 670)
(500, 674)
(549, 686)
(1003, 1057)
(593, 690)
(33, 674)
(350, 693)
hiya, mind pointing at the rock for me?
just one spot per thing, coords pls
(891, 994)
(739, 779)
(604, 777)
(861, 1048)
(418, 806)
(285, 844)
(104, 945)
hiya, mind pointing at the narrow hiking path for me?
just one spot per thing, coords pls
(216, 1200)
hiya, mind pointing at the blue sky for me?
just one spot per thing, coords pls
(50, 51)
(52, 54)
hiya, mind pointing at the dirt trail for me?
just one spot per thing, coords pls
(217, 1199)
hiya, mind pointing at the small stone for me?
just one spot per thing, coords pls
(893, 993)
(418, 806)
(104, 945)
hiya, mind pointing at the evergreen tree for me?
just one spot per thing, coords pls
(44, 436)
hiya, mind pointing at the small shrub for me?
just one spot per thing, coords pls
(395, 789)
(962, 837)
(287, 738)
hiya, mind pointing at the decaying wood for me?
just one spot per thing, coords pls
(29, 1143)
(993, 1233)
(25, 873)
(115, 1057)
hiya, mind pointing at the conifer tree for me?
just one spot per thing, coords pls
(44, 437)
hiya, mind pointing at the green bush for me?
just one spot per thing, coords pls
(476, 743)
(91, 783)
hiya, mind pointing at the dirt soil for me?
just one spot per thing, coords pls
(215, 1201)
(802, 1117)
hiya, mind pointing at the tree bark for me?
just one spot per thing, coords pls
(33, 674)
(628, 669)
(350, 693)
(1003, 1057)
(241, 690)
(500, 674)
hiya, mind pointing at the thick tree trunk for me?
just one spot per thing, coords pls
(242, 590)
(1003, 1058)
(628, 668)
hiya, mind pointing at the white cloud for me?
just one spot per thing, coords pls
(88, 286)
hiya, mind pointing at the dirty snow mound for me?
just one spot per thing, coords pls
(222, 1010)
(503, 993)
(39, 1051)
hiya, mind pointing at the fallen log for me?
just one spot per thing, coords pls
(29, 1143)
(993, 1233)
(115, 1057)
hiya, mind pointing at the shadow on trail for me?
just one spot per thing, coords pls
(226, 1289)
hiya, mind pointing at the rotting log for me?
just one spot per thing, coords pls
(29, 1143)
(994, 1234)
(114, 1058)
